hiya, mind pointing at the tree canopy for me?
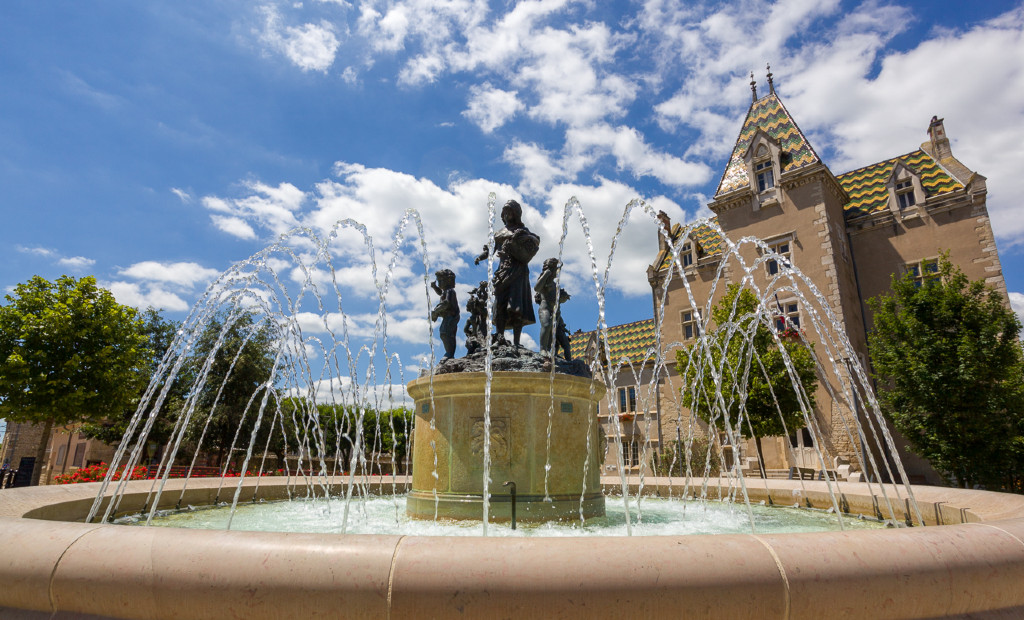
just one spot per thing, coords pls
(160, 333)
(948, 362)
(241, 356)
(760, 395)
(68, 353)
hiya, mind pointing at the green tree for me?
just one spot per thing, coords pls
(950, 375)
(744, 353)
(160, 334)
(385, 431)
(68, 353)
(242, 356)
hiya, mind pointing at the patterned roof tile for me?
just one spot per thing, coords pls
(705, 233)
(769, 115)
(632, 340)
(866, 186)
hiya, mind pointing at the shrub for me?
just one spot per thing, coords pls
(672, 460)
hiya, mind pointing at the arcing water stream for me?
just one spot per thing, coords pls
(329, 398)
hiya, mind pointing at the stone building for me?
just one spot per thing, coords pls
(67, 449)
(848, 234)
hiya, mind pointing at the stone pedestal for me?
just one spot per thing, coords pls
(449, 427)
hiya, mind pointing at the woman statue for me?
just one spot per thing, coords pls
(515, 245)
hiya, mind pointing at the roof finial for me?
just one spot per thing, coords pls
(771, 85)
(753, 86)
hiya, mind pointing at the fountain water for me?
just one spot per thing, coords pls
(320, 402)
(326, 399)
(319, 408)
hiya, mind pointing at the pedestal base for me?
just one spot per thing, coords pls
(448, 446)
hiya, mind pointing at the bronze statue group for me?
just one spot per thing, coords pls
(514, 246)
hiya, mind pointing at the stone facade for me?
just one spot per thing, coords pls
(21, 440)
(67, 449)
(848, 234)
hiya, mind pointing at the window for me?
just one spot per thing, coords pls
(905, 193)
(79, 455)
(790, 317)
(764, 174)
(686, 256)
(801, 438)
(630, 453)
(925, 272)
(691, 324)
(774, 265)
(61, 454)
(627, 399)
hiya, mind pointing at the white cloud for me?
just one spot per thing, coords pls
(186, 274)
(38, 251)
(144, 296)
(91, 94)
(603, 206)
(491, 107)
(234, 226)
(269, 207)
(76, 263)
(633, 153)
(537, 166)
(182, 195)
(1017, 303)
(310, 47)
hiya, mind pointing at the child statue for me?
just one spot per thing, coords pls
(447, 309)
(476, 324)
(552, 328)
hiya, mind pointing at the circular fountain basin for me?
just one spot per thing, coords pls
(972, 565)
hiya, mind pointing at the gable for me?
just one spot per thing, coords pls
(704, 234)
(767, 114)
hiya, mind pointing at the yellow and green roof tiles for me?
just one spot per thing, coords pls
(704, 234)
(866, 186)
(769, 115)
(632, 340)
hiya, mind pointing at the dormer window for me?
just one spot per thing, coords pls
(905, 193)
(761, 161)
(763, 170)
(686, 254)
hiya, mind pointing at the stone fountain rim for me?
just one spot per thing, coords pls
(110, 571)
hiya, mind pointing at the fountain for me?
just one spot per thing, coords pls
(522, 417)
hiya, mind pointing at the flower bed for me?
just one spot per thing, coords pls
(96, 473)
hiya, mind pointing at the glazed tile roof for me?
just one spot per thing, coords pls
(632, 340)
(705, 233)
(768, 114)
(866, 186)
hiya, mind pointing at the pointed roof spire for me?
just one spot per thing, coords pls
(767, 115)
(771, 85)
(753, 87)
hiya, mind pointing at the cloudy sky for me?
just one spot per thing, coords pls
(153, 144)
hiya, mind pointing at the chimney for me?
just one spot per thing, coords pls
(664, 231)
(940, 143)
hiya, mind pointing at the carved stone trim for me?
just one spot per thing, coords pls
(500, 440)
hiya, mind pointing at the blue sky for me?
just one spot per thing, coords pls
(153, 144)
